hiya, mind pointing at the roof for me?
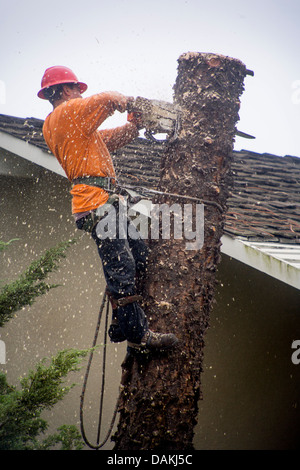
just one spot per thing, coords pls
(29, 129)
(264, 205)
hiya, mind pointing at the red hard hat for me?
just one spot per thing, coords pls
(57, 75)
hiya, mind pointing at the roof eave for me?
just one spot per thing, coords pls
(252, 255)
(30, 152)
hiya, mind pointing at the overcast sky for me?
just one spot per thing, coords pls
(132, 47)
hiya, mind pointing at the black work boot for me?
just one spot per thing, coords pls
(156, 341)
(159, 341)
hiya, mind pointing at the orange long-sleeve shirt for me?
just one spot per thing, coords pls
(71, 133)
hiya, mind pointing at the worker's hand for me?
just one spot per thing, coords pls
(124, 103)
(120, 101)
(136, 119)
(130, 99)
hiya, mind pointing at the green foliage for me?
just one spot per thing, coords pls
(31, 284)
(21, 424)
(68, 438)
(41, 389)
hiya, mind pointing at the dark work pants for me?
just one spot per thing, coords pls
(123, 260)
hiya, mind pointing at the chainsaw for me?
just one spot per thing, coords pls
(161, 117)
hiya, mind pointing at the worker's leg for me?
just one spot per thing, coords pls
(119, 271)
(119, 267)
(140, 253)
(122, 247)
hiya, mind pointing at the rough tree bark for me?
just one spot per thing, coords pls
(159, 403)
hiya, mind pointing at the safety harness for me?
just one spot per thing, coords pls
(104, 182)
(110, 184)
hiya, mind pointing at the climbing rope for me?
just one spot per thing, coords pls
(82, 396)
(145, 193)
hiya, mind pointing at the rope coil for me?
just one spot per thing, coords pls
(86, 376)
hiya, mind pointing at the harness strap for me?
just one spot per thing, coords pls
(115, 303)
(128, 300)
(110, 184)
(105, 182)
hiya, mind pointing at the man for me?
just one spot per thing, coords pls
(71, 133)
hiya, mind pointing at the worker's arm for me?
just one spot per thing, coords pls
(89, 113)
(119, 136)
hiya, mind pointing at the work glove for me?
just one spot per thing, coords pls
(136, 119)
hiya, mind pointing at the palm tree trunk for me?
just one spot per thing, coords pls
(159, 403)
